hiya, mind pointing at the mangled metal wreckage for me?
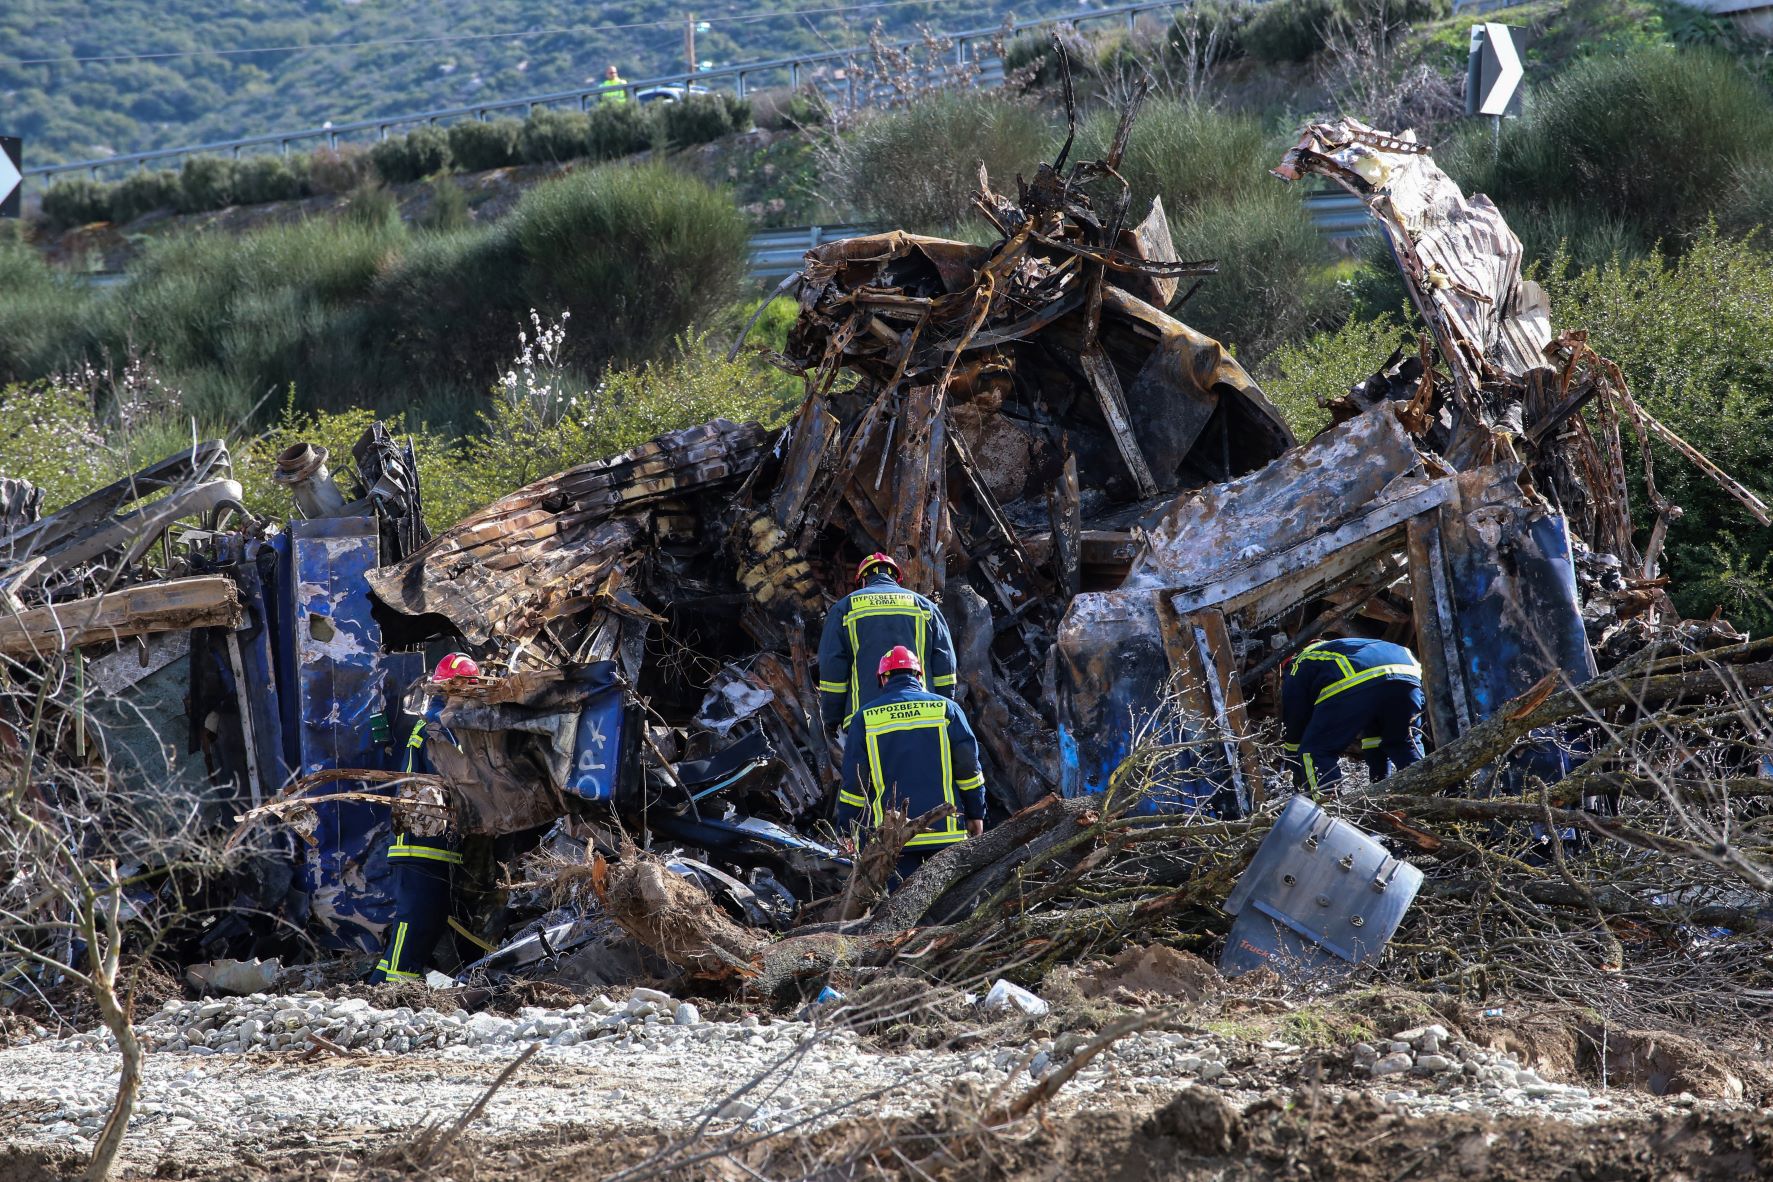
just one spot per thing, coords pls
(1110, 512)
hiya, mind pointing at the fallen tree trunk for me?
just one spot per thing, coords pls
(908, 905)
(1488, 741)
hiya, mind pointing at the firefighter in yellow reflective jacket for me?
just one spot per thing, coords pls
(1337, 691)
(424, 868)
(914, 749)
(860, 629)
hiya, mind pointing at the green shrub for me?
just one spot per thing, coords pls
(269, 178)
(419, 153)
(1221, 21)
(1293, 30)
(338, 171)
(551, 137)
(702, 118)
(1690, 335)
(45, 324)
(476, 146)
(1290, 31)
(1274, 284)
(1655, 139)
(807, 107)
(1298, 373)
(75, 201)
(206, 183)
(447, 208)
(53, 440)
(372, 204)
(142, 193)
(1191, 154)
(614, 130)
(636, 252)
(886, 169)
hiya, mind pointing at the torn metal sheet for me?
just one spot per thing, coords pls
(505, 570)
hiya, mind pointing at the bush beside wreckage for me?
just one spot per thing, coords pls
(1125, 537)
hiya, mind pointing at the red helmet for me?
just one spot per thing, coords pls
(456, 665)
(873, 560)
(898, 659)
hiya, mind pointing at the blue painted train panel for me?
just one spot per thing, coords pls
(340, 686)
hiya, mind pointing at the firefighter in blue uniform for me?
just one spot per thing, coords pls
(1337, 691)
(862, 626)
(424, 868)
(913, 749)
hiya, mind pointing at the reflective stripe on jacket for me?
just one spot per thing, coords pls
(861, 628)
(915, 749)
(1328, 668)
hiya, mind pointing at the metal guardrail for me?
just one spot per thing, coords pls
(741, 78)
(777, 254)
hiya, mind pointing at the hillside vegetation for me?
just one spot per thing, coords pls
(186, 80)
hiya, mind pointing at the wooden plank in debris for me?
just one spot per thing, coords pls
(176, 605)
(1101, 376)
(1437, 645)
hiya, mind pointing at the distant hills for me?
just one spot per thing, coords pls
(82, 78)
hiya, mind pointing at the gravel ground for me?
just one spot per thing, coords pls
(225, 1076)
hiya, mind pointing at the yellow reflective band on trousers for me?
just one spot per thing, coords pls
(897, 717)
(399, 848)
(1371, 744)
(1310, 773)
(389, 964)
(1349, 681)
(867, 604)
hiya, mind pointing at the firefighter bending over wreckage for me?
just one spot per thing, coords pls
(860, 629)
(423, 866)
(1337, 691)
(914, 749)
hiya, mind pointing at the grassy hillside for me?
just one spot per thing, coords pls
(186, 81)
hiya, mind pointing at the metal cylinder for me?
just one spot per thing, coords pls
(301, 468)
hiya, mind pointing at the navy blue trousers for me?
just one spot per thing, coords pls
(423, 892)
(1384, 715)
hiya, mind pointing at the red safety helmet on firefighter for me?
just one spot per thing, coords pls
(456, 665)
(897, 660)
(873, 560)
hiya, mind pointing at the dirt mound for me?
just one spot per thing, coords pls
(1197, 1136)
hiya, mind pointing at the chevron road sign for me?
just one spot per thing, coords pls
(1493, 72)
(11, 157)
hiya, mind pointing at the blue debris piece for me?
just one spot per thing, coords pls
(340, 685)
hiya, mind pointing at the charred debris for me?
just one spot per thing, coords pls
(1125, 537)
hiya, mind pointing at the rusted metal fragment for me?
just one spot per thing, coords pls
(1150, 240)
(500, 571)
(1209, 535)
(145, 610)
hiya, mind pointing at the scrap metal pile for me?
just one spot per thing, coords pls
(1122, 532)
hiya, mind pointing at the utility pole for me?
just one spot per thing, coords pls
(689, 41)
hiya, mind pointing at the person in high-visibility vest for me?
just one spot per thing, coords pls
(1337, 691)
(424, 867)
(863, 626)
(912, 749)
(613, 87)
